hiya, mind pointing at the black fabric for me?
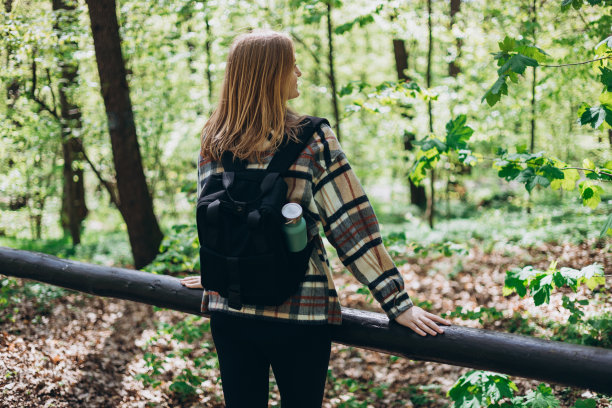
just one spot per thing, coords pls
(246, 347)
(230, 163)
(243, 252)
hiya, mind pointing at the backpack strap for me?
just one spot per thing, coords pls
(289, 152)
(230, 163)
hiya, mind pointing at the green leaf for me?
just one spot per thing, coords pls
(509, 172)
(592, 270)
(513, 284)
(606, 99)
(466, 157)
(537, 180)
(583, 107)
(528, 177)
(542, 397)
(458, 133)
(517, 63)
(517, 279)
(477, 389)
(551, 172)
(588, 163)
(532, 51)
(603, 45)
(595, 281)
(590, 193)
(585, 403)
(507, 45)
(521, 148)
(429, 143)
(559, 279)
(425, 160)
(498, 89)
(346, 90)
(607, 227)
(571, 277)
(361, 21)
(540, 290)
(568, 183)
(606, 78)
(594, 116)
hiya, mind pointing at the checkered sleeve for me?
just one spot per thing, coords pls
(351, 226)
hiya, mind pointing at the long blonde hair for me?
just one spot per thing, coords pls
(253, 104)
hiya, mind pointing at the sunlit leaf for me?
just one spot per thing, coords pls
(517, 63)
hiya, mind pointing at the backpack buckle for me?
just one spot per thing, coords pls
(237, 207)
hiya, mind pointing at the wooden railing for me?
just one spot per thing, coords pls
(513, 354)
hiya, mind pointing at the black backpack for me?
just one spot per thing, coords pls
(243, 252)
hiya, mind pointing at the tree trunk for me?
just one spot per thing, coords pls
(453, 71)
(74, 210)
(316, 73)
(417, 193)
(533, 83)
(332, 76)
(610, 137)
(12, 95)
(135, 203)
(186, 17)
(533, 98)
(455, 7)
(209, 61)
(533, 112)
(12, 89)
(431, 207)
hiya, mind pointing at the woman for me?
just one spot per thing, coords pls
(294, 338)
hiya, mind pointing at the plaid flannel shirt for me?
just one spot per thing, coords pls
(323, 183)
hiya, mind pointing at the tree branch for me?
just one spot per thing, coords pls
(577, 63)
(51, 89)
(591, 170)
(310, 51)
(586, 24)
(113, 195)
(53, 112)
(45, 107)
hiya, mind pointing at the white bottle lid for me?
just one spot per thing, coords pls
(291, 211)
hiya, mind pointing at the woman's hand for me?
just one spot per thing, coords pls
(192, 282)
(421, 321)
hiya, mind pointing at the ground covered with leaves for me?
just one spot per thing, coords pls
(65, 349)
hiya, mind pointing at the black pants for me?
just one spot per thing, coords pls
(246, 347)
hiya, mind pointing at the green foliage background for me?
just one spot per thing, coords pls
(164, 47)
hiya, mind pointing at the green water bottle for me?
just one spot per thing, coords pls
(294, 227)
